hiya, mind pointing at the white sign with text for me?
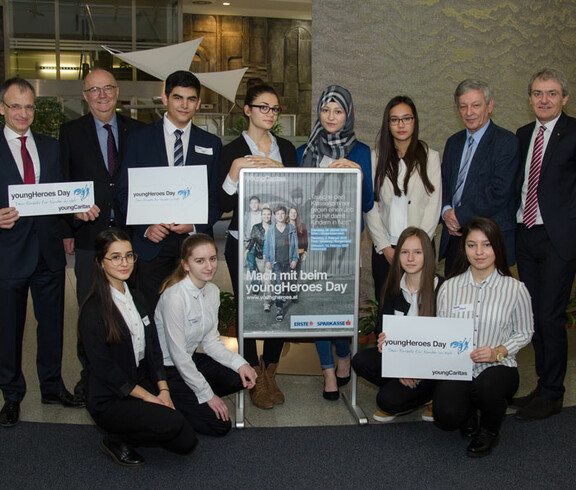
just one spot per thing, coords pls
(54, 198)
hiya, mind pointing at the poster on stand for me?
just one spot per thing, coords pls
(299, 250)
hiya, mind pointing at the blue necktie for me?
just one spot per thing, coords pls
(462, 174)
(178, 149)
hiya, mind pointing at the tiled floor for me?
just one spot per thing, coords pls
(304, 403)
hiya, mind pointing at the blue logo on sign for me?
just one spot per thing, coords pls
(184, 193)
(460, 345)
(83, 192)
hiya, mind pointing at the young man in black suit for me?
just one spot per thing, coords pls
(31, 257)
(546, 234)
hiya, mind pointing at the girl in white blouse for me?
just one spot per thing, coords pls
(187, 315)
(407, 185)
(483, 289)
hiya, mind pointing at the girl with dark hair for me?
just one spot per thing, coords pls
(407, 185)
(126, 394)
(256, 148)
(409, 290)
(333, 144)
(187, 315)
(483, 289)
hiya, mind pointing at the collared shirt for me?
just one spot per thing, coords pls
(549, 129)
(399, 207)
(477, 137)
(103, 136)
(134, 322)
(15, 146)
(411, 298)
(185, 317)
(170, 139)
(501, 310)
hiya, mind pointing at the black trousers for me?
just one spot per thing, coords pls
(393, 397)
(140, 423)
(47, 288)
(223, 381)
(380, 271)
(455, 401)
(549, 280)
(272, 347)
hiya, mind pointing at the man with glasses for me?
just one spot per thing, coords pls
(479, 168)
(91, 149)
(31, 257)
(172, 141)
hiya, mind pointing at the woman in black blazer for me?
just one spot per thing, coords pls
(410, 290)
(256, 148)
(127, 394)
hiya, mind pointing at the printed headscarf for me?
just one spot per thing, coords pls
(334, 145)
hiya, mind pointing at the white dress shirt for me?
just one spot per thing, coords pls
(131, 315)
(170, 139)
(186, 316)
(15, 146)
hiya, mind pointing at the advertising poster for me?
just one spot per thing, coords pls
(299, 249)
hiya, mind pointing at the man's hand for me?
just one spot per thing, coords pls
(8, 216)
(157, 233)
(181, 229)
(68, 245)
(90, 215)
(452, 222)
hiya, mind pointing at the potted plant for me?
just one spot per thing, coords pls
(227, 314)
(368, 322)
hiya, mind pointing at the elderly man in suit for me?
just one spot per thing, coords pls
(546, 235)
(479, 169)
(92, 148)
(172, 141)
(31, 257)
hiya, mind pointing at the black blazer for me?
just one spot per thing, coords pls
(35, 236)
(81, 159)
(239, 148)
(112, 371)
(557, 185)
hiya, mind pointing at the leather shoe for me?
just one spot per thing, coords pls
(343, 381)
(522, 401)
(331, 395)
(470, 428)
(64, 398)
(9, 414)
(482, 444)
(540, 408)
(121, 452)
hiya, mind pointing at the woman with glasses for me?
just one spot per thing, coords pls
(407, 185)
(126, 394)
(257, 147)
(187, 316)
(333, 144)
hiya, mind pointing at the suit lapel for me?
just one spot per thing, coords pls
(161, 142)
(553, 142)
(480, 156)
(8, 165)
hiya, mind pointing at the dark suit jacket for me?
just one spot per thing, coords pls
(81, 159)
(146, 147)
(239, 148)
(489, 190)
(112, 370)
(30, 237)
(557, 185)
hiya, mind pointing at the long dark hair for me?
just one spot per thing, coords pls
(426, 292)
(492, 231)
(416, 156)
(100, 287)
(188, 247)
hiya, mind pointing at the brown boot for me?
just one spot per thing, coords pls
(259, 394)
(274, 392)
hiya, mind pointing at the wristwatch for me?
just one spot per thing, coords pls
(499, 355)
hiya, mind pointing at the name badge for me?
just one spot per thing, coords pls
(146, 320)
(204, 151)
(462, 308)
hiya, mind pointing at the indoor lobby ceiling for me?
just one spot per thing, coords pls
(285, 9)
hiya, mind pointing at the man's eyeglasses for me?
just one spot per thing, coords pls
(265, 109)
(394, 121)
(18, 107)
(117, 259)
(95, 91)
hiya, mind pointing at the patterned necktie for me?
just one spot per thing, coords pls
(178, 150)
(531, 206)
(112, 151)
(29, 175)
(462, 174)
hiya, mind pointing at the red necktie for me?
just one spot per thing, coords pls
(531, 206)
(112, 151)
(29, 176)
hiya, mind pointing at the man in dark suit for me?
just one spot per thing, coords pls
(91, 149)
(546, 235)
(31, 257)
(174, 140)
(479, 168)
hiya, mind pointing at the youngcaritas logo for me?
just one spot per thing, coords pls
(184, 193)
(460, 345)
(83, 192)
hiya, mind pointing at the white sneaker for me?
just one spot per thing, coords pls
(428, 413)
(383, 417)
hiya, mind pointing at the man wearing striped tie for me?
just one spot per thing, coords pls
(172, 141)
(479, 169)
(546, 235)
